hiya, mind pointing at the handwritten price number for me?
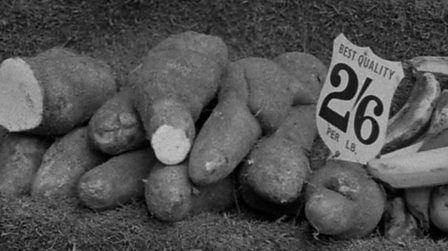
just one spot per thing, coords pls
(348, 93)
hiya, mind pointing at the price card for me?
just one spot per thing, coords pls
(353, 107)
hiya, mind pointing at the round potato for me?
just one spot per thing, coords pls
(343, 201)
(438, 207)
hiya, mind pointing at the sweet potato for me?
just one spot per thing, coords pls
(343, 201)
(116, 127)
(170, 196)
(278, 166)
(271, 90)
(210, 46)
(438, 207)
(172, 85)
(308, 69)
(213, 198)
(64, 163)
(225, 139)
(20, 157)
(398, 222)
(3, 133)
(117, 181)
(52, 92)
(266, 90)
(262, 205)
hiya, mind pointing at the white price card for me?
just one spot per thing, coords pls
(353, 107)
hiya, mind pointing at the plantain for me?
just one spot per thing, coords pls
(439, 118)
(434, 64)
(417, 201)
(427, 168)
(413, 148)
(412, 118)
(398, 223)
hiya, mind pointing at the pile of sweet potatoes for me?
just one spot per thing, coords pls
(67, 130)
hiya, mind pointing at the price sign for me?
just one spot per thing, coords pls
(353, 107)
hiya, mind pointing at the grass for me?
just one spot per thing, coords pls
(28, 224)
(121, 31)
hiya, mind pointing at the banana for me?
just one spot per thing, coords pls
(439, 118)
(433, 64)
(427, 168)
(405, 150)
(398, 223)
(412, 118)
(417, 201)
(438, 123)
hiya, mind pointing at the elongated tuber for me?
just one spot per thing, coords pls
(225, 139)
(277, 167)
(116, 127)
(116, 181)
(64, 163)
(52, 92)
(263, 88)
(20, 157)
(170, 196)
(172, 85)
(308, 69)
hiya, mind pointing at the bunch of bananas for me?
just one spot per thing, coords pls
(415, 153)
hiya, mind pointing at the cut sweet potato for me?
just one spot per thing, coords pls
(52, 92)
(172, 85)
